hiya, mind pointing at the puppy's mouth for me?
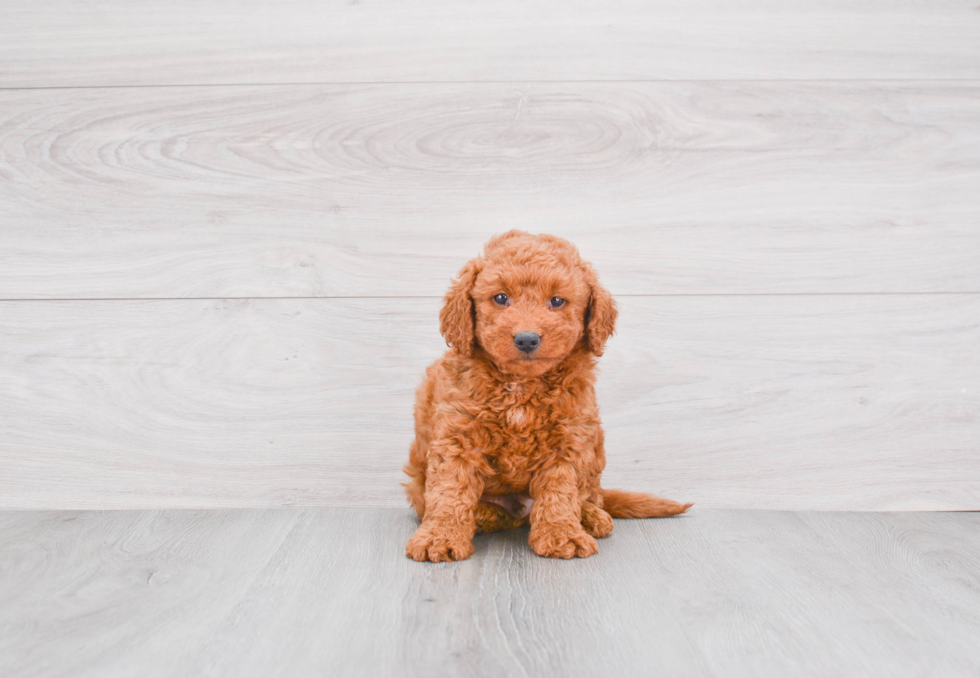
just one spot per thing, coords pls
(533, 358)
(525, 364)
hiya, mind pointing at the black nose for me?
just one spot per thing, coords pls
(527, 341)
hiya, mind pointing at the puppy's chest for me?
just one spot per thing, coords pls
(517, 419)
(525, 429)
(521, 415)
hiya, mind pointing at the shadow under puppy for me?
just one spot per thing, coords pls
(507, 429)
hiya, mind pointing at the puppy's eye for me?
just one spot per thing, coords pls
(557, 302)
(500, 299)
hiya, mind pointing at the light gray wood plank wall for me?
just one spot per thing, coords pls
(673, 188)
(329, 591)
(752, 219)
(780, 402)
(55, 43)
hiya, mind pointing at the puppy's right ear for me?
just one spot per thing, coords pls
(458, 316)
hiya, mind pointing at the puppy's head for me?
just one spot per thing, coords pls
(528, 302)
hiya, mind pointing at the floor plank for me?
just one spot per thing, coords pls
(56, 43)
(303, 592)
(792, 402)
(669, 188)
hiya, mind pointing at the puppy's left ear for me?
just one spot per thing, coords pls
(458, 317)
(600, 317)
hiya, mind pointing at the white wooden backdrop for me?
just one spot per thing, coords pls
(225, 228)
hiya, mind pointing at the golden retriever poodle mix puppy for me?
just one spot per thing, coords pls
(507, 429)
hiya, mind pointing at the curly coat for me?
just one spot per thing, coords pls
(498, 427)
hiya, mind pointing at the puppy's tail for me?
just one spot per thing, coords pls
(621, 504)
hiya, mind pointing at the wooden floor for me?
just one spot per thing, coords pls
(312, 592)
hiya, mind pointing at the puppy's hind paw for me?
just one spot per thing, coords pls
(426, 545)
(596, 522)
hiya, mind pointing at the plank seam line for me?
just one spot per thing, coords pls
(970, 81)
(439, 296)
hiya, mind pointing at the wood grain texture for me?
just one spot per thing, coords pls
(54, 43)
(329, 591)
(788, 402)
(669, 188)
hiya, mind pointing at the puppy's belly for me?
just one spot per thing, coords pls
(510, 492)
(518, 505)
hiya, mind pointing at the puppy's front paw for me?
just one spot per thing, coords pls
(428, 545)
(562, 541)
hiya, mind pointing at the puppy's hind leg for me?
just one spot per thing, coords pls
(596, 522)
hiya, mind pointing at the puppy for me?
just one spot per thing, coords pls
(507, 429)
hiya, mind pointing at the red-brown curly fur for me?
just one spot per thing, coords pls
(495, 425)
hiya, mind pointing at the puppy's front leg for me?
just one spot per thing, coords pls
(556, 516)
(452, 489)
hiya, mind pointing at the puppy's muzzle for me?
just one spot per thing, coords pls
(527, 341)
